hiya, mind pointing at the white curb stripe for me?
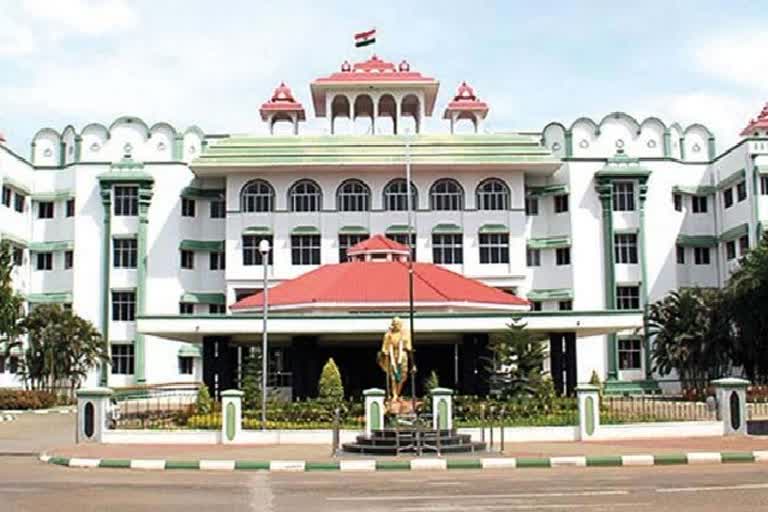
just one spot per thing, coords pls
(217, 465)
(428, 464)
(760, 456)
(147, 464)
(357, 465)
(287, 465)
(499, 462)
(44, 457)
(704, 458)
(567, 461)
(637, 460)
(75, 462)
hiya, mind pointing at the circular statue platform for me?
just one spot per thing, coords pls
(393, 441)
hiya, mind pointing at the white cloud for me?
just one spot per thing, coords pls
(90, 17)
(16, 40)
(737, 57)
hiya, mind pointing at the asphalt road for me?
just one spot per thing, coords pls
(28, 485)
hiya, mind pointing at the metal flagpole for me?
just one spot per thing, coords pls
(408, 199)
(264, 249)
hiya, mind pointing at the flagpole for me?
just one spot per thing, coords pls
(408, 201)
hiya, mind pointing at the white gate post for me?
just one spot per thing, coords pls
(231, 415)
(731, 394)
(442, 409)
(374, 409)
(92, 411)
(588, 398)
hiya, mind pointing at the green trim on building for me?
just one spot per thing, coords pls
(50, 298)
(398, 229)
(697, 240)
(257, 230)
(551, 294)
(735, 232)
(203, 298)
(203, 193)
(145, 198)
(701, 190)
(551, 242)
(622, 166)
(305, 230)
(353, 230)
(202, 245)
(65, 245)
(732, 180)
(546, 190)
(189, 350)
(10, 182)
(493, 228)
(446, 228)
(106, 241)
(59, 195)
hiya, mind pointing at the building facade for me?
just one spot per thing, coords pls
(152, 232)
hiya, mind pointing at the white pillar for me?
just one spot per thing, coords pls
(374, 409)
(231, 415)
(731, 394)
(92, 414)
(588, 397)
(442, 409)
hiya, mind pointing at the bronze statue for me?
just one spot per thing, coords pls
(395, 356)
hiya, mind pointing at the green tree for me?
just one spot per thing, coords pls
(330, 387)
(431, 382)
(62, 348)
(11, 303)
(204, 402)
(252, 379)
(747, 295)
(515, 366)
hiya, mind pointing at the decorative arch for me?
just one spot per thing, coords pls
(620, 115)
(353, 196)
(162, 126)
(257, 196)
(305, 195)
(395, 197)
(130, 120)
(410, 105)
(446, 194)
(587, 121)
(387, 107)
(492, 194)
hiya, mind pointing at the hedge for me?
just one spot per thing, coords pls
(26, 399)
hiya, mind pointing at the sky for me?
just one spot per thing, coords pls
(212, 64)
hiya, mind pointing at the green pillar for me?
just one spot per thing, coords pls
(605, 192)
(106, 201)
(711, 148)
(644, 276)
(568, 143)
(78, 147)
(178, 148)
(667, 144)
(145, 198)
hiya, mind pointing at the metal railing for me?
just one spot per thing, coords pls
(653, 408)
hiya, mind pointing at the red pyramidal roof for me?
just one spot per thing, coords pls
(760, 122)
(382, 286)
(378, 244)
(466, 101)
(282, 101)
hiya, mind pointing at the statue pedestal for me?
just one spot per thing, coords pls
(402, 406)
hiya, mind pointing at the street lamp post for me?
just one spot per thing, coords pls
(409, 240)
(264, 250)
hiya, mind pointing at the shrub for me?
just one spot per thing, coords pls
(204, 403)
(330, 388)
(26, 399)
(252, 379)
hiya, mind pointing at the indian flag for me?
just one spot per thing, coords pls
(365, 38)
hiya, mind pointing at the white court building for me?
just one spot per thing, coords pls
(151, 232)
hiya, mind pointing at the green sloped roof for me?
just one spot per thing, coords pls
(50, 298)
(552, 242)
(251, 151)
(353, 230)
(493, 228)
(257, 230)
(204, 298)
(202, 245)
(551, 294)
(701, 190)
(735, 232)
(65, 245)
(697, 240)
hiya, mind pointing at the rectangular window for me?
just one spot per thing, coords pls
(402, 238)
(699, 204)
(741, 191)
(18, 202)
(7, 197)
(124, 306)
(187, 207)
(186, 365)
(126, 201)
(124, 252)
(494, 248)
(535, 305)
(251, 254)
(217, 309)
(187, 259)
(630, 354)
(69, 258)
(122, 359)
(347, 241)
(2, 365)
(678, 202)
(533, 257)
(680, 255)
(448, 248)
(218, 209)
(565, 305)
(627, 297)
(563, 256)
(186, 308)
(730, 250)
(764, 185)
(743, 245)
(45, 210)
(44, 261)
(623, 196)
(305, 249)
(217, 261)
(70, 207)
(18, 256)
(728, 197)
(13, 364)
(531, 206)
(701, 255)
(625, 247)
(561, 203)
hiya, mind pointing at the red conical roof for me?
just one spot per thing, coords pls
(377, 244)
(760, 122)
(466, 101)
(282, 102)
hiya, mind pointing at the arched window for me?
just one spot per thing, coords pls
(395, 196)
(492, 194)
(305, 196)
(257, 196)
(446, 194)
(353, 196)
